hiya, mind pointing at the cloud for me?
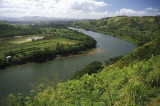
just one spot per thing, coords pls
(130, 12)
(151, 9)
(89, 9)
(87, 5)
(51, 8)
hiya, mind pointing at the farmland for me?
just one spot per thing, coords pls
(42, 47)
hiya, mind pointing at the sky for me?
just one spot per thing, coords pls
(81, 9)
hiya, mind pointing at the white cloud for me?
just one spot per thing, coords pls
(51, 8)
(66, 9)
(151, 9)
(130, 12)
(86, 5)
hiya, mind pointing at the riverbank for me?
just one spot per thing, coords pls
(54, 45)
(138, 30)
(133, 80)
(24, 75)
(88, 52)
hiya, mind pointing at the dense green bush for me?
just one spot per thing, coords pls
(130, 86)
(93, 67)
(112, 60)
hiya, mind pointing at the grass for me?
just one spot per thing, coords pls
(25, 39)
(8, 46)
(15, 44)
(43, 47)
(137, 30)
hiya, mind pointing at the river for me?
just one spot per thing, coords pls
(17, 79)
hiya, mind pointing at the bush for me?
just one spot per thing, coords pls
(112, 60)
(93, 67)
(116, 86)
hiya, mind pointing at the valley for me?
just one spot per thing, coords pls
(121, 74)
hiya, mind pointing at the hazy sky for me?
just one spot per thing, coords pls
(92, 9)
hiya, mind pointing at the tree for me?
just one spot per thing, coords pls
(59, 48)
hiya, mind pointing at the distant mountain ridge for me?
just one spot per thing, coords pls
(38, 18)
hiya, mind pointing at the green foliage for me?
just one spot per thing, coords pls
(140, 53)
(112, 60)
(93, 67)
(127, 86)
(16, 100)
(137, 30)
(59, 42)
(8, 30)
(131, 80)
(158, 99)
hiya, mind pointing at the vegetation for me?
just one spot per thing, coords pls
(133, 85)
(141, 53)
(43, 47)
(131, 80)
(53, 24)
(8, 30)
(137, 30)
(93, 67)
(112, 60)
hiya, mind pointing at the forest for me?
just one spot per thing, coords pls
(130, 80)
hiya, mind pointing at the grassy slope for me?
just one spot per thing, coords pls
(133, 80)
(142, 31)
(137, 30)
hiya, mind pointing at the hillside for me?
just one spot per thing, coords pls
(142, 31)
(8, 30)
(131, 81)
(134, 85)
(137, 30)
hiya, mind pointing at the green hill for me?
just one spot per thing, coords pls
(137, 30)
(134, 80)
(134, 85)
(8, 30)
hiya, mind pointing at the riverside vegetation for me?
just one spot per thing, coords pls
(131, 80)
(137, 30)
(37, 43)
